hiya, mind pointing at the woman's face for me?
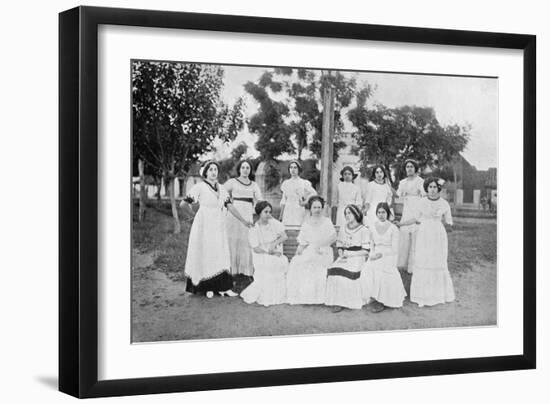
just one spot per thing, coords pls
(382, 214)
(265, 214)
(212, 173)
(432, 189)
(410, 169)
(348, 176)
(379, 174)
(316, 208)
(245, 170)
(293, 169)
(349, 216)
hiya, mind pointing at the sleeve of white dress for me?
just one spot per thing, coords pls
(193, 194)
(365, 239)
(447, 214)
(229, 186)
(394, 240)
(309, 188)
(303, 235)
(253, 238)
(340, 239)
(225, 199)
(400, 190)
(257, 193)
(420, 185)
(418, 213)
(284, 192)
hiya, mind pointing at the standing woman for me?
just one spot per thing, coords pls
(207, 262)
(244, 194)
(380, 278)
(296, 192)
(431, 282)
(411, 189)
(378, 190)
(266, 239)
(347, 194)
(343, 277)
(307, 274)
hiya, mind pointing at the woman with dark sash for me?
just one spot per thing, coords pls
(244, 194)
(343, 276)
(207, 262)
(380, 278)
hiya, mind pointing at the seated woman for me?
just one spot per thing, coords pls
(307, 274)
(380, 278)
(270, 265)
(343, 283)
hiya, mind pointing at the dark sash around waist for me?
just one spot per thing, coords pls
(337, 271)
(352, 248)
(249, 200)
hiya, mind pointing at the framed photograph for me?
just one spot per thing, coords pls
(251, 202)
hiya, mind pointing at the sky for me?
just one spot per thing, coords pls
(456, 100)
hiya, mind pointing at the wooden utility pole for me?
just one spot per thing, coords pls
(327, 146)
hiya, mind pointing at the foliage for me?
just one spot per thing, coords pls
(290, 117)
(389, 136)
(177, 113)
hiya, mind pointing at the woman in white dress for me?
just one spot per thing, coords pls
(378, 190)
(207, 262)
(347, 193)
(244, 194)
(411, 190)
(307, 274)
(270, 265)
(343, 276)
(296, 192)
(380, 277)
(431, 281)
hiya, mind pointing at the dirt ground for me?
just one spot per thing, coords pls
(163, 311)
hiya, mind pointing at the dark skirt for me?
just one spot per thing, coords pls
(219, 283)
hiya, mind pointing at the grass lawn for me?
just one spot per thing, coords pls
(162, 310)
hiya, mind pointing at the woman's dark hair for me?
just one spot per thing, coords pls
(385, 206)
(261, 205)
(349, 169)
(413, 162)
(429, 180)
(238, 169)
(373, 173)
(356, 212)
(207, 166)
(300, 168)
(315, 198)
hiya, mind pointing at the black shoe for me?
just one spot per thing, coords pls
(377, 307)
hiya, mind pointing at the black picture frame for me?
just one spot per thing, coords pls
(78, 205)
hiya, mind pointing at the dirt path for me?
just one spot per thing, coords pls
(163, 311)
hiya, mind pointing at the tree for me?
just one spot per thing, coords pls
(177, 113)
(291, 110)
(389, 136)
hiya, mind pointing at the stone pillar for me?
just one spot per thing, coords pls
(477, 196)
(459, 197)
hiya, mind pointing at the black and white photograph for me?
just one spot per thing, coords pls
(273, 201)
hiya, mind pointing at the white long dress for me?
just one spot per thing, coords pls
(348, 194)
(411, 191)
(295, 190)
(269, 285)
(380, 278)
(307, 274)
(207, 262)
(243, 196)
(431, 282)
(375, 194)
(343, 276)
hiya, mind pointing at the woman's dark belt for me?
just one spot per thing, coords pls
(250, 200)
(337, 271)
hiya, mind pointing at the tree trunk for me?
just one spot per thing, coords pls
(171, 191)
(142, 191)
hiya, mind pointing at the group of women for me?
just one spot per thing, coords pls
(225, 242)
